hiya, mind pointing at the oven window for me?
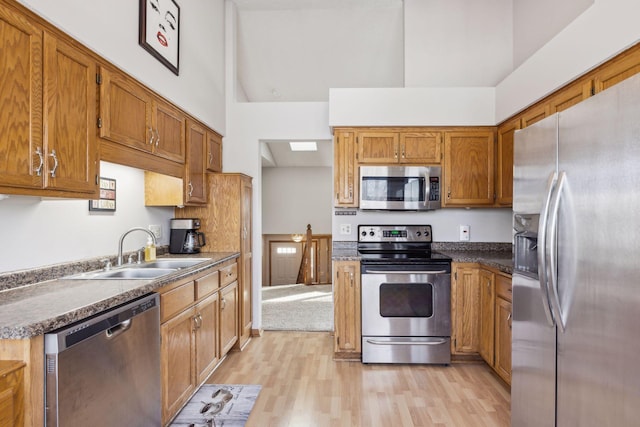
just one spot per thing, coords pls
(406, 300)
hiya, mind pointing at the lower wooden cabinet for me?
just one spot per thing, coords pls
(198, 327)
(503, 315)
(346, 300)
(465, 309)
(11, 394)
(487, 309)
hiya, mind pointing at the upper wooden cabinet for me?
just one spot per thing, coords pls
(345, 170)
(214, 152)
(47, 123)
(399, 147)
(133, 116)
(571, 95)
(504, 162)
(469, 168)
(616, 70)
(195, 182)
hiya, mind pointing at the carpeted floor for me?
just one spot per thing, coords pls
(297, 308)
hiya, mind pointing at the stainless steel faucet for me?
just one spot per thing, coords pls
(153, 237)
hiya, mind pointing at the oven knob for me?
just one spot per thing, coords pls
(418, 233)
(372, 233)
(364, 233)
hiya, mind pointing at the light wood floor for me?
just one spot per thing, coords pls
(303, 386)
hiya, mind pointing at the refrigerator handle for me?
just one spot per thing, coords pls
(542, 247)
(551, 253)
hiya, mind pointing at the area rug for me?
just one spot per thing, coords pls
(297, 308)
(218, 405)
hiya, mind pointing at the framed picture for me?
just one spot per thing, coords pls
(107, 200)
(160, 31)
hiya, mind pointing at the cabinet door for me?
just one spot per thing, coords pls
(468, 168)
(503, 339)
(487, 321)
(177, 362)
(20, 101)
(168, 132)
(214, 152)
(534, 114)
(346, 300)
(345, 171)
(11, 394)
(125, 111)
(466, 309)
(70, 118)
(617, 70)
(195, 178)
(228, 318)
(206, 339)
(504, 166)
(571, 95)
(421, 148)
(246, 260)
(378, 147)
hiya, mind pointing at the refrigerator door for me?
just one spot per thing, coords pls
(533, 331)
(598, 245)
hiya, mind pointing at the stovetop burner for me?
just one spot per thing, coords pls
(406, 244)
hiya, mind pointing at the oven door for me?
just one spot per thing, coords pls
(406, 315)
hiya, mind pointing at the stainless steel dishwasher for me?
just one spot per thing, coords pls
(105, 370)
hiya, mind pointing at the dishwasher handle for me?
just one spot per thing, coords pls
(119, 329)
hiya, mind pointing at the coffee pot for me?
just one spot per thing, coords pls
(185, 239)
(193, 241)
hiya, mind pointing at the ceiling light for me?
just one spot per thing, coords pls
(303, 146)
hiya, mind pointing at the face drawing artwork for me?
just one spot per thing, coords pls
(162, 28)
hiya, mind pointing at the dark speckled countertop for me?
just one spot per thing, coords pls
(495, 255)
(34, 309)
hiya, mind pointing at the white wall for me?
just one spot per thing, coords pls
(295, 197)
(602, 31)
(42, 231)
(110, 28)
(453, 43)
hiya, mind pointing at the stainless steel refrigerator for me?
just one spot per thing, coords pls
(576, 279)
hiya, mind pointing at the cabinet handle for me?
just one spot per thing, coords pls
(350, 191)
(39, 168)
(55, 163)
(157, 137)
(351, 279)
(190, 189)
(449, 193)
(150, 135)
(210, 158)
(509, 320)
(223, 303)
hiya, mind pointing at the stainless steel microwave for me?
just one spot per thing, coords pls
(400, 188)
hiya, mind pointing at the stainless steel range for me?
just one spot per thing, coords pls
(406, 296)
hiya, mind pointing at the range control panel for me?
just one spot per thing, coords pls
(394, 233)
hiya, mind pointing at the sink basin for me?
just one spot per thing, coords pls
(124, 273)
(172, 263)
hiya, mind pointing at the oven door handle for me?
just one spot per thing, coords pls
(406, 272)
(432, 342)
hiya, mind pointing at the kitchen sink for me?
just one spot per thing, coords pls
(171, 263)
(123, 273)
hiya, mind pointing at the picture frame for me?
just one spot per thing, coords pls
(107, 200)
(159, 31)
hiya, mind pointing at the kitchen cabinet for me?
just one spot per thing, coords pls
(465, 309)
(619, 68)
(48, 99)
(504, 162)
(487, 308)
(214, 152)
(195, 182)
(228, 317)
(227, 225)
(384, 147)
(571, 95)
(346, 300)
(194, 316)
(534, 114)
(503, 314)
(11, 393)
(469, 168)
(345, 170)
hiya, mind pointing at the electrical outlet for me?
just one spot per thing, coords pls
(157, 230)
(464, 232)
(345, 228)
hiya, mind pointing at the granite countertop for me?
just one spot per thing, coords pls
(34, 309)
(498, 256)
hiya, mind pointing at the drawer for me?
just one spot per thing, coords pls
(176, 300)
(207, 284)
(503, 287)
(228, 274)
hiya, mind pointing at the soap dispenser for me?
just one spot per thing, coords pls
(150, 251)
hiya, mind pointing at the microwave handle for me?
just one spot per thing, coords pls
(427, 189)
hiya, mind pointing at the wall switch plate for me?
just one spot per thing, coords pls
(464, 232)
(345, 228)
(157, 230)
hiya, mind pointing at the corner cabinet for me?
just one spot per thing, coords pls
(469, 168)
(227, 224)
(48, 99)
(346, 300)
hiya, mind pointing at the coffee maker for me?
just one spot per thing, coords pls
(184, 238)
